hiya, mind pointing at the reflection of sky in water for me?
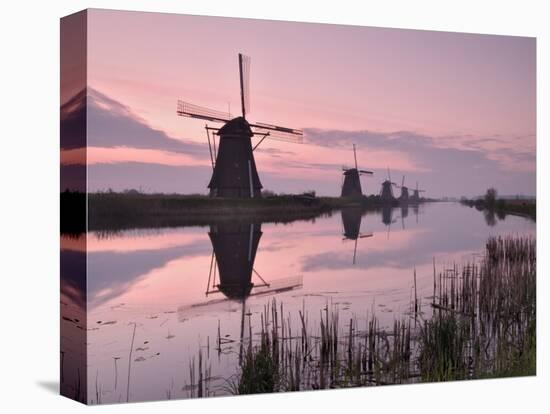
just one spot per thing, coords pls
(155, 278)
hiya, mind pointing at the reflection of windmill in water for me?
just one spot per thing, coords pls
(387, 217)
(386, 192)
(404, 214)
(234, 169)
(352, 181)
(234, 247)
(415, 211)
(234, 251)
(351, 220)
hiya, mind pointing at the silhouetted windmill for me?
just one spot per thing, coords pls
(386, 192)
(234, 169)
(352, 181)
(404, 197)
(416, 194)
(351, 221)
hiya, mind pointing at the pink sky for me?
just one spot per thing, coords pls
(469, 98)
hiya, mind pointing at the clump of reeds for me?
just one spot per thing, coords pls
(443, 344)
(491, 307)
(199, 377)
(339, 356)
(259, 373)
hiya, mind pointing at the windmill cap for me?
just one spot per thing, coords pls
(350, 171)
(237, 126)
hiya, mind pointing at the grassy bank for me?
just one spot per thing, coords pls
(108, 211)
(114, 211)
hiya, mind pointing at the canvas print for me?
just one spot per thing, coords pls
(253, 206)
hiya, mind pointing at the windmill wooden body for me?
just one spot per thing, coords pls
(415, 198)
(404, 196)
(386, 192)
(234, 169)
(352, 181)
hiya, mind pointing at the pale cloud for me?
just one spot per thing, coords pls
(113, 155)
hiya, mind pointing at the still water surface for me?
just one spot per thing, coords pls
(168, 284)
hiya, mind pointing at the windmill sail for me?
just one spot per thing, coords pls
(190, 110)
(278, 133)
(244, 74)
(271, 127)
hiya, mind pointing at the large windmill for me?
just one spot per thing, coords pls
(351, 221)
(386, 192)
(352, 181)
(416, 194)
(234, 169)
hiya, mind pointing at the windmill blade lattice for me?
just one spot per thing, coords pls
(190, 110)
(278, 133)
(244, 62)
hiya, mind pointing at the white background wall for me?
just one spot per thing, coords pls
(29, 158)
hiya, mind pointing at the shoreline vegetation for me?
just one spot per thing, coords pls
(118, 211)
(480, 322)
(496, 207)
(132, 209)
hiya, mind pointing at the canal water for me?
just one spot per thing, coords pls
(156, 298)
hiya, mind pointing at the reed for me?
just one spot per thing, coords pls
(130, 363)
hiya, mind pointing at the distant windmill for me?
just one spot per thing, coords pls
(352, 181)
(386, 192)
(351, 220)
(416, 194)
(404, 197)
(234, 169)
